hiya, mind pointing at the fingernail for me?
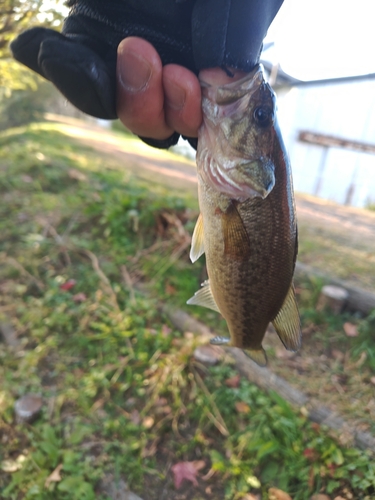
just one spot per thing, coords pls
(175, 96)
(134, 71)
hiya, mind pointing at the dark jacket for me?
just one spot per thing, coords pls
(197, 34)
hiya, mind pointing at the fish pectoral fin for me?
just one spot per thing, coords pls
(236, 239)
(220, 341)
(203, 297)
(287, 322)
(197, 244)
(257, 355)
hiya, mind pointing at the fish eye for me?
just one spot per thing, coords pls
(263, 116)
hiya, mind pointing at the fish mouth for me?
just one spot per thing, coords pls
(231, 92)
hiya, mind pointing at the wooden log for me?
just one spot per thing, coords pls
(335, 142)
(332, 298)
(358, 299)
(269, 381)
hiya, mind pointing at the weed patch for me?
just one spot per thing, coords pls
(123, 394)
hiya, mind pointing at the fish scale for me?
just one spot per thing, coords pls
(247, 226)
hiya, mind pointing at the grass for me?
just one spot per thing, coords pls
(123, 394)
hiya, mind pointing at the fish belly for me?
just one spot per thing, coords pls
(249, 280)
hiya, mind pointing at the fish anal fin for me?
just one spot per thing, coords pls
(220, 341)
(257, 355)
(203, 297)
(197, 244)
(287, 322)
(236, 239)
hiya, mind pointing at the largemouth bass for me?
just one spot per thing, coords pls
(247, 225)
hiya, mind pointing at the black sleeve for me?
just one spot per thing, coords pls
(230, 32)
(81, 61)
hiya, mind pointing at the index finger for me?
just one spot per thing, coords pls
(140, 95)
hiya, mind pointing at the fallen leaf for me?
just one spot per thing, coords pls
(79, 297)
(68, 285)
(253, 481)
(276, 494)
(186, 471)
(332, 469)
(372, 380)
(54, 477)
(320, 496)
(310, 454)
(13, 465)
(242, 407)
(315, 427)
(170, 289)
(199, 464)
(350, 329)
(165, 330)
(233, 382)
(148, 422)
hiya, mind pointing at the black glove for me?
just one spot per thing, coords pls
(197, 34)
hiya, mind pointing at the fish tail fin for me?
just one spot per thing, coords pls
(287, 322)
(257, 355)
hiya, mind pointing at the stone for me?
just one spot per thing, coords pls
(116, 489)
(207, 355)
(28, 407)
(276, 494)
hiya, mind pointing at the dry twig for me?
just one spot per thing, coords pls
(128, 282)
(5, 259)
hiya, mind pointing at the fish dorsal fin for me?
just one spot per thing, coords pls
(287, 322)
(197, 244)
(236, 239)
(203, 297)
(258, 355)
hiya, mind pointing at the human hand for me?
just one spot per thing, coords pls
(155, 101)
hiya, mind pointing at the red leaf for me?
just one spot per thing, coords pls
(170, 289)
(310, 454)
(68, 285)
(233, 381)
(186, 470)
